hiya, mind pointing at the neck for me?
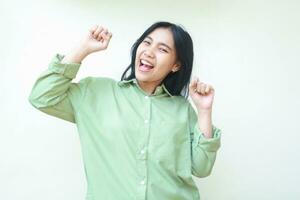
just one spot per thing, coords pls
(148, 87)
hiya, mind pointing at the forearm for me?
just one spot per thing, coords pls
(205, 142)
(54, 93)
(52, 85)
(76, 55)
(205, 122)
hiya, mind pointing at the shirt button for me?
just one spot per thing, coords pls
(142, 151)
(146, 121)
(142, 182)
(146, 97)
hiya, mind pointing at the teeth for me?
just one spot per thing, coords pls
(146, 63)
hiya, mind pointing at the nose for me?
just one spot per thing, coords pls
(149, 52)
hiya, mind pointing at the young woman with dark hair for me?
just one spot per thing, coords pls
(140, 137)
(177, 81)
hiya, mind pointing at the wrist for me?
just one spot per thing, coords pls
(81, 51)
(76, 55)
(204, 111)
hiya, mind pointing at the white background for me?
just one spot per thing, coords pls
(246, 49)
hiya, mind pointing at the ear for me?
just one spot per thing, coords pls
(176, 67)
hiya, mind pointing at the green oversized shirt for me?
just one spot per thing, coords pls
(134, 146)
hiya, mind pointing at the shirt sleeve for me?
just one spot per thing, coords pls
(203, 150)
(53, 92)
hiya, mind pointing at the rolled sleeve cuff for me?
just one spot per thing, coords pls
(209, 144)
(69, 70)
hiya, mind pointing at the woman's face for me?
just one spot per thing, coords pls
(156, 57)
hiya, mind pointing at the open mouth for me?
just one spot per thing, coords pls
(145, 66)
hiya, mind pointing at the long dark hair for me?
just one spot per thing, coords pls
(177, 83)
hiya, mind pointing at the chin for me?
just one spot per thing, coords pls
(142, 78)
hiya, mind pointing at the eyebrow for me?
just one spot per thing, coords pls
(160, 43)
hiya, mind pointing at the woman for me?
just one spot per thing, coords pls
(140, 136)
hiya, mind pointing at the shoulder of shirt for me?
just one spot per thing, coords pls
(93, 82)
(179, 100)
(101, 79)
(183, 102)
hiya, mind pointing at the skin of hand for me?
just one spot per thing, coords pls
(97, 39)
(202, 95)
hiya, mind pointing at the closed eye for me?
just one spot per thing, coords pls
(146, 42)
(163, 50)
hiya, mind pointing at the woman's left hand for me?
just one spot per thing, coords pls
(202, 94)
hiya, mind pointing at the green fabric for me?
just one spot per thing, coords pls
(134, 145)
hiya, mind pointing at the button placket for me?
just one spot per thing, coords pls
(142, 154)
(142, 150)
(143, 182)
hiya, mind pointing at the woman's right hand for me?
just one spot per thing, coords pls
(97, 39)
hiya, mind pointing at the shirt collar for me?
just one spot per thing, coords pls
(158, 90)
